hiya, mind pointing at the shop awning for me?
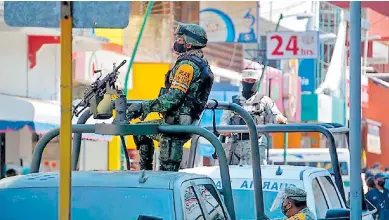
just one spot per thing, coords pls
(233, 76)
(38, 115)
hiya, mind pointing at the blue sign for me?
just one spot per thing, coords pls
(307, 70)
(86, 14)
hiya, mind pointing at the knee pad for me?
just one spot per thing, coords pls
(171, 151)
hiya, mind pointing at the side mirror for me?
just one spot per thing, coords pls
(339, 214)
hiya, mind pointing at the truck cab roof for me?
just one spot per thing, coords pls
(282, 172)
(156, 180)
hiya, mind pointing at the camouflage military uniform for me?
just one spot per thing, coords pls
(263, 110)
(188, 86)
(297, 194)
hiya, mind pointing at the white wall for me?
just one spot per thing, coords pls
(13, 63)
(44, 78)
(18, 145)
(94, 155)
(41, 82)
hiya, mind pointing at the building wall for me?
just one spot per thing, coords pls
(13, 59)
(377, 111)
(379, 23)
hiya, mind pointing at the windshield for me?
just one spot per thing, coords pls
(244, 200)
(87, 203)
(243, 194)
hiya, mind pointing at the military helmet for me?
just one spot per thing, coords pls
(297, 194)
(193, 34)
(250, 74)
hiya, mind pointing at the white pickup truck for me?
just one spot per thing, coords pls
(322, 193)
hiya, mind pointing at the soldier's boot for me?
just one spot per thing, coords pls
(170, 155)
(145, 146)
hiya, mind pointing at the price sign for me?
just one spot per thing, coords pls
(292, 45)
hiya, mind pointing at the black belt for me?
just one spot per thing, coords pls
(243, 137)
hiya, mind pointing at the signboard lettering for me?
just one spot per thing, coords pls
(292, 45)
(249, 184)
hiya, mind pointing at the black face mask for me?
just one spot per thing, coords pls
(284, 210)
(248, 89)
(381, 183)
(179, 48)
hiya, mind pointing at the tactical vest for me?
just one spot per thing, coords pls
(197, 95)
(235, 119)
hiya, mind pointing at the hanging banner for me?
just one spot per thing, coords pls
(230, 21)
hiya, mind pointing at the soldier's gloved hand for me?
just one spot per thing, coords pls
(239, 100)
(137, 110)
(146, 109)
(280, 119)
(134, 111)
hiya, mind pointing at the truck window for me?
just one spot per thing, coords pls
(192, 206)
(321, 205)
(212, 202)
(329, 187)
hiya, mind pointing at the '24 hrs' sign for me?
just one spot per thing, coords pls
(292, 45)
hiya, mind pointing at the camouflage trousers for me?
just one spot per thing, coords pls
(171, 149)
(240, 154)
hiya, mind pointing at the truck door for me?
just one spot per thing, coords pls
(331, 192)
(319, 198)
(325, 194)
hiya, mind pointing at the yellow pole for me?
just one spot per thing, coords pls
(66, 112)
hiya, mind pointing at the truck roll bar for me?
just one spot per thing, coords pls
(212, 104)
(147, 129)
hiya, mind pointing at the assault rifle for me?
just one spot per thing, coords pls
(97, 92)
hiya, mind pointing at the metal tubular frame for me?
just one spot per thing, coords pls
(77, 138)
(273, 128)
(257, 176)
(147, 129)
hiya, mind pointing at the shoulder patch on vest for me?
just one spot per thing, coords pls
(182, 77)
